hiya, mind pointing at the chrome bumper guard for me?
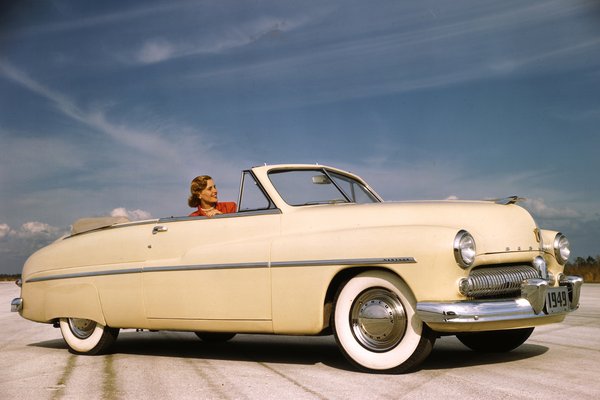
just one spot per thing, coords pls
(530, 305)
(16, 305)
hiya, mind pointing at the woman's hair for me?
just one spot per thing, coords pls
(197, 186)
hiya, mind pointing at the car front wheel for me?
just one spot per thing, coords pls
(84, 336)
(495, 341)
(375, 324)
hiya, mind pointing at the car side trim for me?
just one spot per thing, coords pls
(255, 265)
(201, 267)
(85, 274)
(348, 261)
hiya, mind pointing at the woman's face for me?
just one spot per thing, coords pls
(209, 195)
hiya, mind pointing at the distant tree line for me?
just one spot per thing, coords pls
(588, 268)
(4, 277)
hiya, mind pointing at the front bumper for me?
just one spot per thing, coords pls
(488, 314)
(16, 305)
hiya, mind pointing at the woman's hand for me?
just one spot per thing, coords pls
(212, 212)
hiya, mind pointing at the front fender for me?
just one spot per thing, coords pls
(304, 265)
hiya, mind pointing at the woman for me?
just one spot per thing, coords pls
(204, 196)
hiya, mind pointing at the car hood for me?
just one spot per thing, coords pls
(497, 228)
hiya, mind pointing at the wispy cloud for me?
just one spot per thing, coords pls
(161, 49)
(157, 50)
(396, 58)
(144, 141)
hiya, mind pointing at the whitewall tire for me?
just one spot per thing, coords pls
(375, 324)
(84, 336)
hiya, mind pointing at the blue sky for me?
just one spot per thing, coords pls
(113, 107)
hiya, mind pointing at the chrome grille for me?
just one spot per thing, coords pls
(496, 281)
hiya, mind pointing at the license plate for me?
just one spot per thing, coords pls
(557, 300)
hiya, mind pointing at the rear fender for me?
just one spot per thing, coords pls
(74, 300)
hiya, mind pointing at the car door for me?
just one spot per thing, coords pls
(211, 268)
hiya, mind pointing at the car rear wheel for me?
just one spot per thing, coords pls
(215, 336)
(375, 324)
(84, 336)
(495, 341)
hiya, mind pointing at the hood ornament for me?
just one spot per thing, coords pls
(508, 200)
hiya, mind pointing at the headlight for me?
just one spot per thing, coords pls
(561, 248)
(464, 249)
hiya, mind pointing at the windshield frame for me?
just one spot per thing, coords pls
(332, 177)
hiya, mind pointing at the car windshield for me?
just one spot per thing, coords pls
(319, 186)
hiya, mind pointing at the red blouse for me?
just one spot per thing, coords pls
(225, 207)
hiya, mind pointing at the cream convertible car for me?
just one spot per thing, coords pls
(312, 250)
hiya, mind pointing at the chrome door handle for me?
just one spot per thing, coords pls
(159, 228)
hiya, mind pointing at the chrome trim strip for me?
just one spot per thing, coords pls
(256, 265)
(203, 267)
(87, 274)
(348, 261)
(221, 216)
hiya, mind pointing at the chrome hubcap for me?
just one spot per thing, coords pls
(378, 319)
(82, 328)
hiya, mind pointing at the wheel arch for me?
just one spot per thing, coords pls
(340, 279)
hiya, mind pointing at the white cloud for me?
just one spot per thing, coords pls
(35, 229)
(29, 230)
(4, 230)
(133, 215)
(18, 244)
(540, 209)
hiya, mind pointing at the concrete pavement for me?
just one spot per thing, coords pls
(558, 362)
